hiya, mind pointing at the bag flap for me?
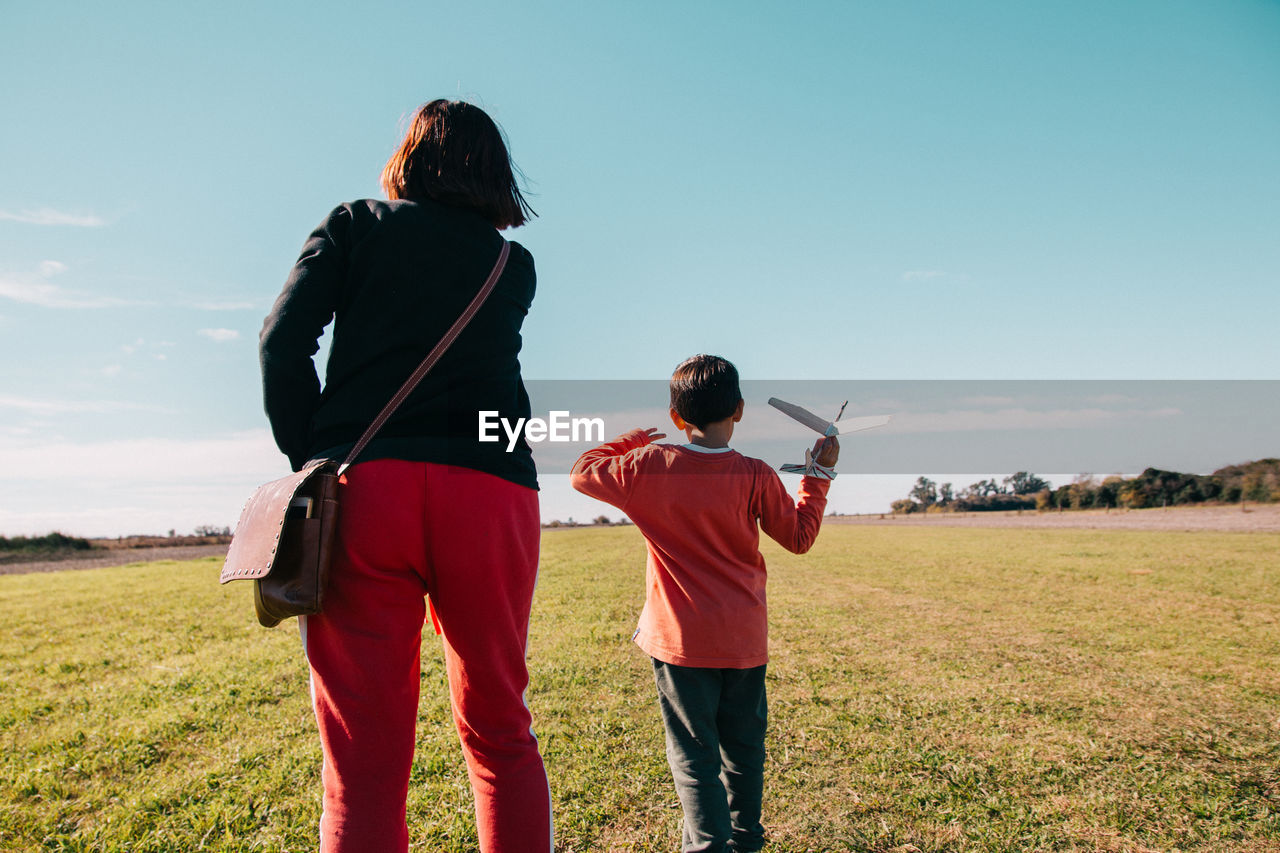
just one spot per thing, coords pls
(253, 546)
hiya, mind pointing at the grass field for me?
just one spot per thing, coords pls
(930, 689)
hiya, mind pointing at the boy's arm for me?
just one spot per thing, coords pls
(794, 526)
(606, 473)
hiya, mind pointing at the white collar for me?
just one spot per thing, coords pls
(700, 449)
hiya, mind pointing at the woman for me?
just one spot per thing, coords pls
(428, 509)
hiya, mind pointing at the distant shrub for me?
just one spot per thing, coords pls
(995, 503)
(1023, 483)
(49, 542)
(1256, 487)
(904, 507)
(1257, 481)
(1108, 494)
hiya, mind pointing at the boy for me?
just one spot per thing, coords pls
(704, 619)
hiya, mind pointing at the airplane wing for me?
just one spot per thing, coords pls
(810, 468)
(801, 469)
(801, 414)
(857, 424)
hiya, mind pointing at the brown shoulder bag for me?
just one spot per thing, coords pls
(284, 539)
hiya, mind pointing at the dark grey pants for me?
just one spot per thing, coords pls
(715, 721)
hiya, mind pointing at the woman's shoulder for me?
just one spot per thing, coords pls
(349, 215)
(420, 212)
(520, 255)
(354, 222)
(458, 226)
(372, 209)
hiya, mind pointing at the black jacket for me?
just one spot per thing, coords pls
(396, 275)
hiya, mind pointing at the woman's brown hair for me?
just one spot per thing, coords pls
(455, 154)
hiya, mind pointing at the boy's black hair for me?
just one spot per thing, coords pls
(704, 389)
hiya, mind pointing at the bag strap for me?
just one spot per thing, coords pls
(432, 357)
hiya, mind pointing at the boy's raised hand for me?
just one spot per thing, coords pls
(827, 451)
(653, 435)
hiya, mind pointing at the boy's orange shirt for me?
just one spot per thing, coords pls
(705, 577)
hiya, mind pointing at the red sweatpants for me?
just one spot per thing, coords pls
(470, 541)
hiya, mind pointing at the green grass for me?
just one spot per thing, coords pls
(930, 689)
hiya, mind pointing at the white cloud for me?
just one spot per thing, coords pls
(249, 457)
(153, 349)
(48, 269)
(219, 336)
(49, 216)
(111, 370)
(148, 515)
(140, 485)
(225, 306)
(52, 296)
(42, 408)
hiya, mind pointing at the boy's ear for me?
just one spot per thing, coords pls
(737, 413)
(677, 420)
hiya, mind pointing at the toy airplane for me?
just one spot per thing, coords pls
(827, 429)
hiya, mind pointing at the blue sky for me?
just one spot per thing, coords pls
(984, 190)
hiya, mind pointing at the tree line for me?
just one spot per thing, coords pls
(1257, 481)
(48, 542)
